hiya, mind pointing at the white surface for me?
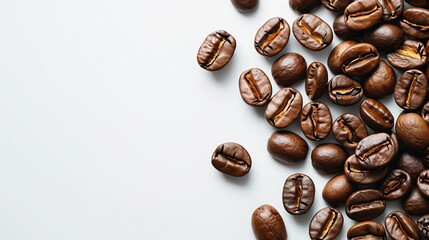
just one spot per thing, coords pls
(108, 123)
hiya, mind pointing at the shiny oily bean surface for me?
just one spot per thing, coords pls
(400, 226)
(289, 68)
(216, 50)
(328, 158)
(335, 5)
(343, 90)
(415, 22)
(326, 224)
(376, 150)
(423, 226)
(272, 37)
(423, 183)
(232, 159)
(396, 184)
(375, 115)
(312, 32)
(367, 230)
(411, 89)
(284, 108)
(316, 121)
(425, 112)
(359, 59)
(303, 6)
(366, 204)
(418, 3)
(334, 62)
(337, 190)
(415, 203)
(381, 82)
(348, 130)
(412, 131)
(267, 224)
(298, 194)
(392, 9)
(355, 173)
(287, 147)
(245, 5)
(255, 87)
(410, 54)
(385, 37)
(341, 30)
(316, 80)
(363, 14)
(412, 164)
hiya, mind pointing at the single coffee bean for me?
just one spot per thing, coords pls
(348, 130)
(410, 90)
(410, 54)
(423, 183)
(359, 59)
(425, 112)
(355, 173)
(341, 30)
(385, 37)
(418, 3)
(334, 62)
(232, 159)
(411, 164)
(287, 147)
(284, 107)
(216, 50)
(415, 203)
(364, 205)
(328, 158)
(336, 5)
(289, 68)
(381, 82)
(303, 6)
(255, 87)
(316, 121)
(363, 14)
(267, 224)
(415, 22)
(375, 151)
(272, 37)
(337, 190)
(316, 80)
(423, 225)
(245, 5)
(312, 32)
(326, 224)
(412, 131)
(396, 184)
(343, 90)
(392, 9)
(375, 115)
(400, 226)
(298, 194)
(368, 230)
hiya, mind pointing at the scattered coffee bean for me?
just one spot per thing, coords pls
(381, 82)
(326, 224)
(375, 115)
(392, 9)
(385, 37)
(255, 87)
(312, 32)
(400, 226)
(328, 158)
(343, 90)
(303, 6)
(216, 50)
(368, 230)
(410, 54)
(423, 183)
(411, 164)
(284, 107)
(272, 37)
(348, 130)
(412, 131)
(423, 225)
(425, 112)
(415, 22)
(364, 205)
(337, 190)
(289, 68)
(298, 194)
(267, 224)
(341, 30)
(287, 147)
(363, 14)
(355, 173)
(415, 203)
(316, 80)
(334, 62)
(418, 3)
(245, 5)
(410, 90)
(396, 184)
(316, 121)
(336, 5)
(359, 59)
(232, 159)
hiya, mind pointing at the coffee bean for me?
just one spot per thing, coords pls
(348, 130)
(312, 32)
(284, 107)
(423, 183)
(381, 82)
(298, 194)
(303, 6)
(395, 142)
(316, 121)
(375, 115)
(425, 112)
(335, 5)
(343, 90)
(410, 90)
(412, 131)
(396, 184)
(411, 164)
(232, 159)
(423, 225)
(355, 173)
(418, 3)
(334, 62)
(415, 203)
(359, 59)
(415, 22)
(316, 80)
(392, 9)
(385, 37)
(375, 151)
(366, 204)
(272, 37)
(326, 224)
(255, 87)
(216, 50)
(267, 224)
(368, 230)
(410, 54)
(289, 68)
(363, 14)
(328, 158)
(341, 30)
(400, 226)
(245, 5)
(287, 147)
(337, 190)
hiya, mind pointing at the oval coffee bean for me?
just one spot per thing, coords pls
(415, 203)
(423, 183)
(216, 50)
(410, 90)
(298, 194)
(392, 9)
(316, 80)
(385, 37)
(272, 37)
(245, 5)
(316, 121)
(355, 173)
(326, 224)
(400, 226)
(363, 14)
(303, 6)
(312, 32)
(289, 68)
(410, 54)
(359, 59)
(328, 158)
(423, 225)
(348, 130)
(334, 62)
(381, 82)
(412, 131)
(267, 224)
(337, 190)
(341, 30)
(287, 147)
(344, 90)
(232, 159)
(415, 22)
(411, 164)
(375, 151)
(375, 115)
(396, 184)
(368, 230)
(336, 5)
(425, 112)
(284, 107)
(418, 3)
(365, 205)
(255, 87)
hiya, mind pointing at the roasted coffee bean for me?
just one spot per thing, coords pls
(328, 158)
(303, 6)
(385, 37)
(418, 3)
(412, 131)
(363, 14)
(343, 90)
(395, 142)
(400, 226)
(396, 184)
(316, 121)
(232, 159)
(348, 130)
(337, 190)
(415, 203)
(245, 5)
(336, 5)
(415, 22)
(287, 147)
(272, 37)
(334, 62)
(423, 225)
(392, 9)
(284, 107)
(368, 230)
(255, 87)
(267, 224)
(375, 151)
(341, 30)
(359, 59)
(411, 164)
(316, 80)
(410, 90)
(312, 32)
(410, 54)
(355, 173)
(375, 115)
(364, 205)
(425, 112)
(298, 194)
(381, 82)
(423, 183)
(289, 68)
(216, 50)
(326, 224)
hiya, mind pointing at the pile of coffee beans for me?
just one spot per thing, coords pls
(373, 168)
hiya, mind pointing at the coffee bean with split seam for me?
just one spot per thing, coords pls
(284, 107)
(357, 174)
(272, 37)
(216, 50)
(316, 80)
(425, 112)
(363, 14)
(343, 90)
(423, 225)
(255, 87)
(316, 121)
(232, 159)
(348, 129)
(335, 5)
(400, 226)
(410, 54)
(415, 22)
(312, 32)
(367, 230)
(376, 115)
(375, 151)
(359, 59)
(334, 63)
(326, 224)
(410, 90)
(423, 183)
(396, 184)
(392, 9)
(364, 205)
(298, 194)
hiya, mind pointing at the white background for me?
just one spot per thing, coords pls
(107, 123)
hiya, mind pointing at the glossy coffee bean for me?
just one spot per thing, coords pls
(316, 121)
(343, 90)
(396, 184)
(411, 164)
(412, 131)
(410, 54)
(423, 226)
(364, 205)
(363, 14)
(425, 112)
(359, 59)
(415, 22)
(375, 115)
(303, 6)
(368, 230)
(245, 5)
(381, 82)
(423, 183)
(334, 62)
(400, 226)
(336, 5)
(359, 175)
(326, 224)
(267, 224)
(312, 32)
(272, 37)
(255, 87)
(337, 190)
(415, 203)
(316, 80)
(385, 37)
(410, 90)
(328, 158)
(284, 107)
(289, 68)
(418, 3)
(232, 159)
(395, 142)
(216, 50)
(298, 194)
(392, 9)
(341, 30)
(348, 130)
(287, 147)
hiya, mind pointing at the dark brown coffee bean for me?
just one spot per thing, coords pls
(423, 225)
(272, 37)
(381, 82)
(395, 142)
(375, 151)
(368, 230)
(425, 112)
(415, 22)
(363, 14)
(348, 130)
(284, 107)
(418, 3)
(385, 37)
(303, 6)
(298, 194)
(255, 87)
(411, 164)
(334, 62)
(326, 224)
(316, 80)
(343, 90)
(312, 32)
(355, 173)
(216, 50)
(341, 30)
(410, 90)
(287, 147)
(396, 184)
(232, 159)
(267, 224)
(412, 131)
(335, 5)
(316, 121)
(289, 68)
(365, 205)
(245, 5)
(410, 54)
(359, 59)
(423, 183)
(337, 190)
(415, 203)
(328, 158)
(392, 9)
(375, 115)
(400, 226)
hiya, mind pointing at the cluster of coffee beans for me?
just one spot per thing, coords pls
(385, 165)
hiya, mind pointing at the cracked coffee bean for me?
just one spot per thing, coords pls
(359, 59)
(415, 22)
(412, 131)
(298, 194)
(411, 164)
(392, 9)
(289, 68)
(363, 14)
(334, 62)
(415, 203)
(385, 37)
(328, 158)
(423, 226)
(337, 190)
(267, 224)
(232, 159)
(410, 54)
(381, 82)
(255, 87)
(216, 50)
(425, 112)
(396, 184)
(423, 183)
(316, 121)
(410, 90)
(335, 5)
(245, 5)
(284, 108)
(312, 32)
(364, 205)
(400, 226)
(375, 115)
(316, 80)
(303, 6)
(287, 147)
(272, 37)
(367, 230)
(343, 90)
(348, 130)
(326, 224)
(375, 151)
(357, 174)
